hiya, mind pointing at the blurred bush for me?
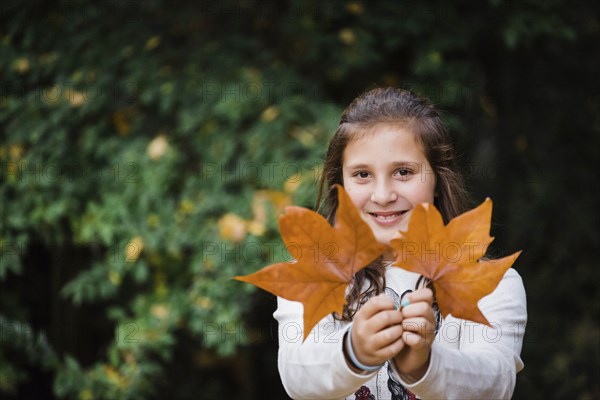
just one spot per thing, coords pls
(148, 147)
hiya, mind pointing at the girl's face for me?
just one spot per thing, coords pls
(386, 174)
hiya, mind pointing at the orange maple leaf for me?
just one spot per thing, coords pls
(326, 259)
(450, 257)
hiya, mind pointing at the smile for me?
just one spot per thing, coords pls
(387, 218)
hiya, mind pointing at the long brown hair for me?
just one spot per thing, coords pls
(391, 106)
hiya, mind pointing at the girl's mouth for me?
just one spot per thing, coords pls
(387, 218)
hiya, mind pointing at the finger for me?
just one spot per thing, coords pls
(424, 294)
(374, 348)
(375, 305)
(391, 350)
(414, 340)
(366, 328)
(418, 332)
(419, 325)
(380, 355)
(386, 337)
(384, 319)
(420, 309)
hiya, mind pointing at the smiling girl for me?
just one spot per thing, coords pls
(390, 153)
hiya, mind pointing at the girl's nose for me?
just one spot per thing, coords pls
(383, 194)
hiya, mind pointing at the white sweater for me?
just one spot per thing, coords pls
(468, 360)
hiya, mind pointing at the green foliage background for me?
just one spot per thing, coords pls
(147, 147)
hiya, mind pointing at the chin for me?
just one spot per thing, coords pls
(385, 238)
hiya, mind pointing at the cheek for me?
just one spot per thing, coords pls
(423, 192)
(357, 194)
(428, 185)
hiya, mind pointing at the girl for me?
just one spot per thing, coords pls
(392, 152)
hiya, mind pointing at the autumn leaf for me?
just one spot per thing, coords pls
(326, 259)
(451, 257)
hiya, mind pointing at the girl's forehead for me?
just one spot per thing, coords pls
(387, 137)
(384, 143)
(358, 132)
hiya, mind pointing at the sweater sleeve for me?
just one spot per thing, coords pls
(314, 368)
(487, 359)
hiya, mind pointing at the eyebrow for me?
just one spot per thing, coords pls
(394, 164)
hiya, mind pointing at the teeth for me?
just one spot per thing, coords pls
(386, 217)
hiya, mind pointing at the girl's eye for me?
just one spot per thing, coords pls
(403, 172)
(362, 174)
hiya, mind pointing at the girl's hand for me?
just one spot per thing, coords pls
(419, 331)
(377, 331)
